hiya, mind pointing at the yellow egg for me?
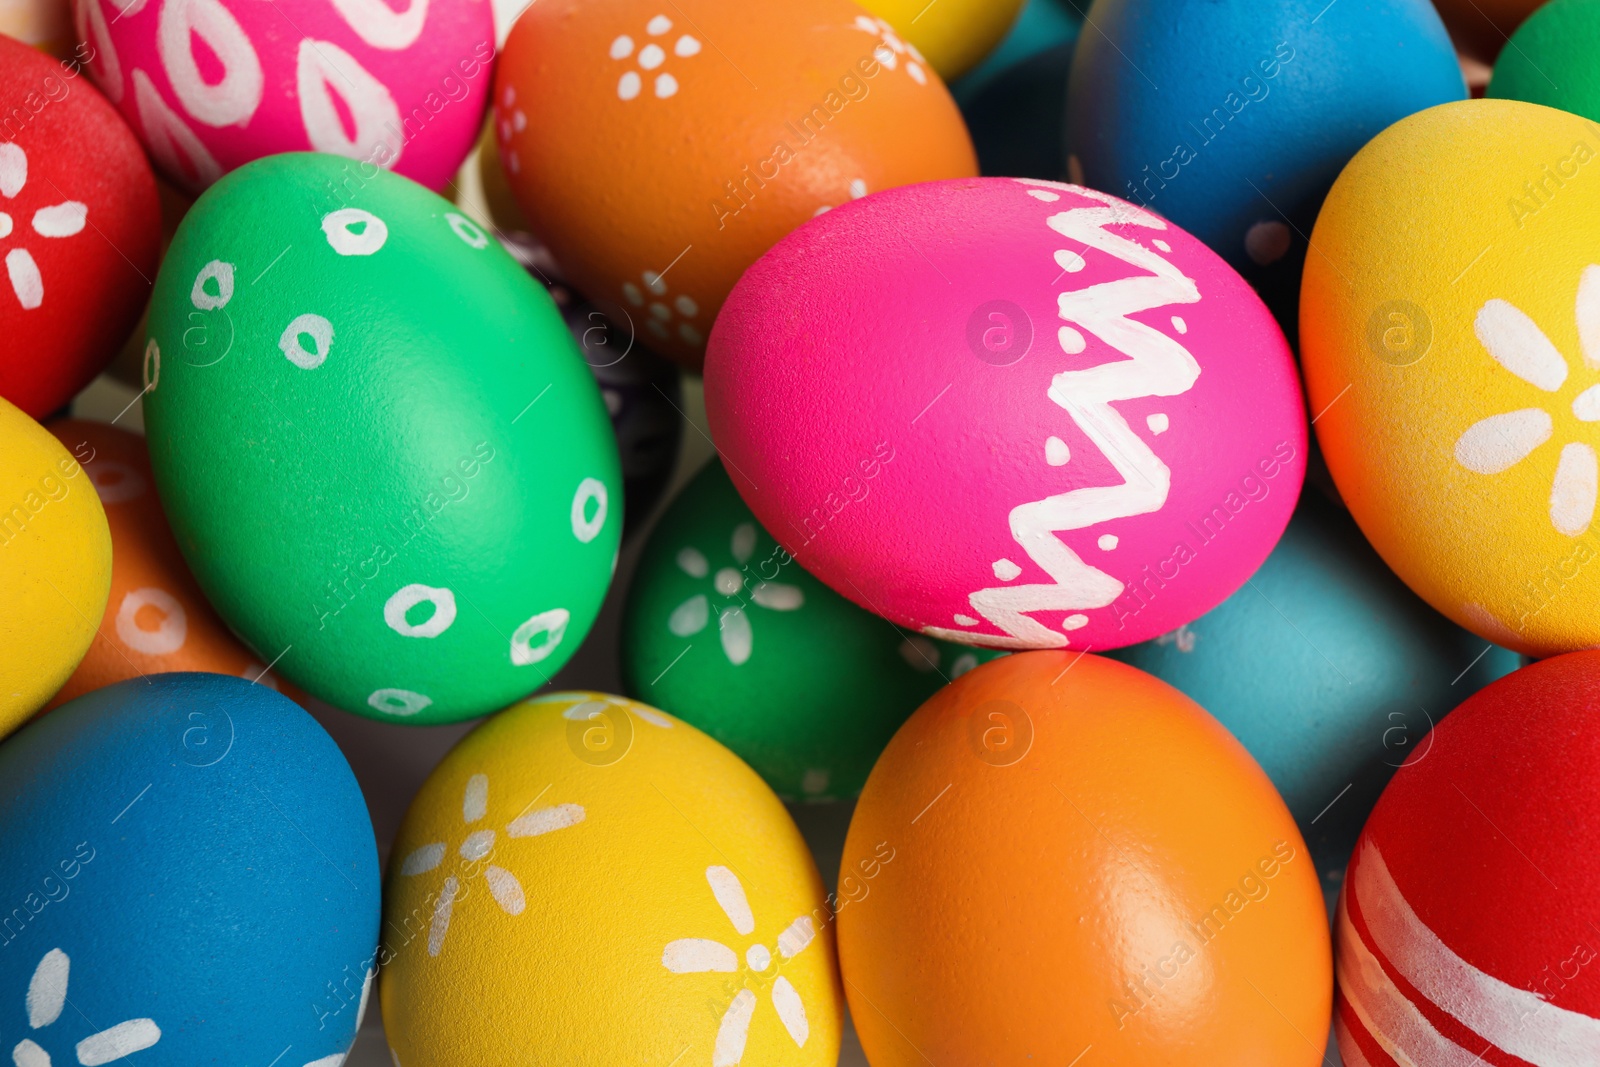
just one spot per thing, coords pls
(955, 35)
(55, 565)
(1450, 333)
(586, 880)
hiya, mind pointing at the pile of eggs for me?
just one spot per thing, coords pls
(832, 532)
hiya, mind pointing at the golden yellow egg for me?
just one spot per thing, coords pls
(955, 35)
(55, 565)
(1450, 334)
(586, 880)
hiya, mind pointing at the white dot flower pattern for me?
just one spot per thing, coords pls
(698, 955)
(694, 614)
(65, 219)
(1501, 441)
(44, 1000)
(892, 50)
(475, 849)
(651, 58)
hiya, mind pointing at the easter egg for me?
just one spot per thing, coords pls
(955, 35)
(724, 630)
(1464, 930)
(1549, 62)
(1328, 670)
(44, 24)
(1050, 418)
(1481, 27)
(56, 572)
(1021, 884)
(79, 230)
(210, 85)
(587, 877)
(1450, 342)
(156, 620)
(702, 171)
(1253, 109)
(379, 450)
(188, 868)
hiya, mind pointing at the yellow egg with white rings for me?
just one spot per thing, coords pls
(587, 880)
(1450, 335)
(55, 565)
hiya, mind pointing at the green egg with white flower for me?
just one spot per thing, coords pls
(377, 444)
(727, 631)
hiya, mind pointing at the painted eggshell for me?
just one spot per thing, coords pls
(1464, 930)
(212, 84)
(44, 24)
(1021, 882)
(156, 620)
(79, 230)
(188, 869)
(1254, 108)
(1328, 670)
(704, 172)
(1450, 332)
(1480, 27)
(1010, 413)
(1551, 62)
(381, 454)
(724, 630)
(956, 35)
(55, 565)
(590, 878)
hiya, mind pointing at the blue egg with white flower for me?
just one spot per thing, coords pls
(187, 876)
(1232, 118)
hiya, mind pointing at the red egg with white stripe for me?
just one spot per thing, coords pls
(1467, 932)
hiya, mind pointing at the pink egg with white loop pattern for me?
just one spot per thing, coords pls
(209, 85)
(1011, 413)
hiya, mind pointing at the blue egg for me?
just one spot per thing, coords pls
(1328, 669)
(1232, 118)
(186, 867)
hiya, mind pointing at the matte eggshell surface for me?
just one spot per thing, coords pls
(1450, 333)
(1465, 930)
(1009, 413)
(380, 452)
(190, 877)
(156, 619)
(1233, 118)
(79, 230)
(1021, 883)
(659, 150)
(956, 34)
(212, 84)
(587, 877)
(55, 565)
(1551, 62)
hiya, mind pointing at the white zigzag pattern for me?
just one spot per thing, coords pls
(1156, 365)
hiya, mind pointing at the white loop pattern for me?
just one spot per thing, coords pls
(231, 101)
(551, 625)
(585, 529)
(319, 329)
(336, 226)
(467, 230)
(323, 70)
(380, 25)
(401, 603)
(402, 703)
(222, 273)
(164, 639)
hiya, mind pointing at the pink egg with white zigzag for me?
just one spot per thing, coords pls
(209, 85)
(1011, 413)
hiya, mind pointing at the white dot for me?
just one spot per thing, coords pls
(630, 84)
(653, 282)
(1068, 260)
(505, 130)
(690, 335)
(727, 581)
(867, 25)
(659, 25)
(1157, 423)
(516, 163)
(1074, 622)
(353, 232)
(759, 958)
(858, 189)
(964, 663)
(1159, 243)
(1045, 195)
(1267, 242)
(5, 224)
(965, 620)
(657, 329)
(621, 48)
(885, 55)
(631, 291)
(687, 46)
(319, 329)
(651, 56)
(511, 92)
(519, 121)
(661, 311)
(1005, 570)
(1107, 542)
(1179, 325)
(823, 210)
(666, 85)
(1056, 452)
(686, 307)
(1072, 341)
(917, 76)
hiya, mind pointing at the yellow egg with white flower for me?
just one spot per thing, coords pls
(1450, 335)
(587, 880)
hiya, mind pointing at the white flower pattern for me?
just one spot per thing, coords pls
(891, 49)
(47, 995)
(65, 219)
(1501, 441)
(661, 314)
(699, 955)
(694, 614)
(479, 845)
(650, 59)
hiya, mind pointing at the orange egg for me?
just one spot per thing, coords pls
(156, 619)
(660, 148)
(1059, 853)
